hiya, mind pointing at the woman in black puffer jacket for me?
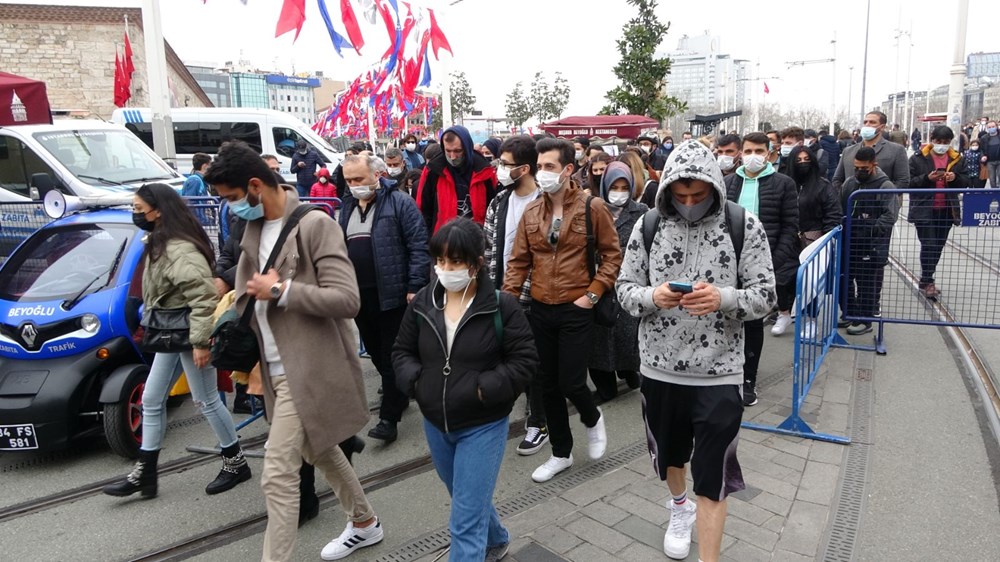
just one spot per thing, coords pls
(819, 210)
(466, 352)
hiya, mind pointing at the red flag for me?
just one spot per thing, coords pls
(351, 23)
(119, 82)
(438, 40)
(766, 89)
(128, 66)
(293, 15)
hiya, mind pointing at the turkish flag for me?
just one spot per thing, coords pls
(128, 66)
(438, 40)
(766, 89)
(119, 82)
(351, 23)
(293, 15)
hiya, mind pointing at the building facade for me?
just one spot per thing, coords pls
(214, 82)
(293, 95)
(709, 80)
(72, 49)
(983, 65)
(249, 89)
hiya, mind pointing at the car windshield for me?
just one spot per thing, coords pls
(59, 263)
(105, 156)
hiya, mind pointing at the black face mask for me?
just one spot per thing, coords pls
(802, 169)
(862, 175)
(139, 219)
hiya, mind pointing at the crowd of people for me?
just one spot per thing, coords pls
(477, 272)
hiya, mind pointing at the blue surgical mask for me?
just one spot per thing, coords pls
(246, 211)
(868, 133)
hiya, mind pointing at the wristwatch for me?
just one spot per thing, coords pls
(592, 297)
(276, 289)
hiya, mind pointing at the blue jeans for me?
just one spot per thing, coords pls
(303, 190)
(163, 374)
(468, 462)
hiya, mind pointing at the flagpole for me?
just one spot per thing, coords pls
(156, 77)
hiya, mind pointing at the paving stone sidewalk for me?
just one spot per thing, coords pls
(781, 516)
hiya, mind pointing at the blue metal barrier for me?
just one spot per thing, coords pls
(817, 287)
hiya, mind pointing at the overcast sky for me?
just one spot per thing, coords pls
(498, 43)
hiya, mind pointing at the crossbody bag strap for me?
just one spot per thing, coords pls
(591, 245)
(293, 220)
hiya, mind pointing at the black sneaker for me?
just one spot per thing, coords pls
(858, 328)
(497, 553)
(749, 394)
(534, 440)
(385, 430)
(842, 323)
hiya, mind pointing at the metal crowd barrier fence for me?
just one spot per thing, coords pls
(816, 295)
(942, 254)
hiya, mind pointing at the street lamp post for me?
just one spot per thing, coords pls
(957, 85)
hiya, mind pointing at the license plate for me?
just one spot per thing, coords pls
(18, 437)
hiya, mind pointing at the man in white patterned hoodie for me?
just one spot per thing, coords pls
(691, 338)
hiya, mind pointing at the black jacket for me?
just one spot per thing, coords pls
(779, 214)
(872, 216)
(819, 208)
(478, 362)
(229, 252)
(922, 164)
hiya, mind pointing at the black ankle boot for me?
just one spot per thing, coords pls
(384, 430)
(351, 446)
(141, 479)
(234, 470)
(308, 500)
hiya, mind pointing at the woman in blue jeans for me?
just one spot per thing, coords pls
(465, 352)
(177, 274)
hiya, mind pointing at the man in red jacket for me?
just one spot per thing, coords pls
(457, 183)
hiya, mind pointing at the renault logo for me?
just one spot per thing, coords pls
(28, 333)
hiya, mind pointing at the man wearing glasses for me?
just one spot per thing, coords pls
(457, 183)
(551, 245)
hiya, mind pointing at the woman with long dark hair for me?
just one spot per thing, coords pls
(178, 263)
(466, 352)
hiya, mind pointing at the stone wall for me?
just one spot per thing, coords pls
(72, 49)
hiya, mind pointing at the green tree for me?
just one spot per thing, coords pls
(641, 75)
(547, 100)
(462, 99)
(517, 106)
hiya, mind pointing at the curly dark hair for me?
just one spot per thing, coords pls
(176, 221)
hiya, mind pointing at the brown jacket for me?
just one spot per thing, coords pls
(314, 331)
(559, 274)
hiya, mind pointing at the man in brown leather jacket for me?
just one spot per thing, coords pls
(551, 243)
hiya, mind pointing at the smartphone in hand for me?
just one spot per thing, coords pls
(680, 287)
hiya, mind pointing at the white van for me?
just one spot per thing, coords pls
(204, 129)
(77, 157)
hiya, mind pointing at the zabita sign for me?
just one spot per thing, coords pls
(981, 208)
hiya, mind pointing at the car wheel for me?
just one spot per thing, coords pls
(123, 419)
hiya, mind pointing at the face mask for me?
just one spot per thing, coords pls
(668, 145)
(786, 149)
(362, 192)
(245, 211)
(753, 163)
(550, 182)
(807, 142)
(304, 151)
(868, 133)
(974, 147)
(694, 213)
(139, 219)
(411, 146)
(579, 155)
(322, 180)
(645, 148)
(992, 130)
(802, 169)
(453, 281)
(618, 198)
(456, 162)
(862, 174)
(504, 177)
(726, 162)
(394, 171)
(940, 149)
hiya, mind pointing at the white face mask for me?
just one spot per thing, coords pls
(453, 281)
(645, 148)
(786, 149)
(322, 180)
(940, 148)
(503, 176)
(550, 182)
(726, 162)
(753, 163)
(579, 155)
(362, 192)
(618, 198)
(394, 171)
(411, 146)
(807, 142)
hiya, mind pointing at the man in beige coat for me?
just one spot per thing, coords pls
(315, 399)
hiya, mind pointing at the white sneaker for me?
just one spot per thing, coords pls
(553, 466)
(781, 324)
(809, 329)
(597, 438)
(352, 539)
(677, 540)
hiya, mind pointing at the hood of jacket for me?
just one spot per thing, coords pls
(474, 161)
(689, 160)
(323, 173)
(468, 147)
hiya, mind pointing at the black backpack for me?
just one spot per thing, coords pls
(735, 215)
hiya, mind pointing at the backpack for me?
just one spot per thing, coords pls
(735, 215)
